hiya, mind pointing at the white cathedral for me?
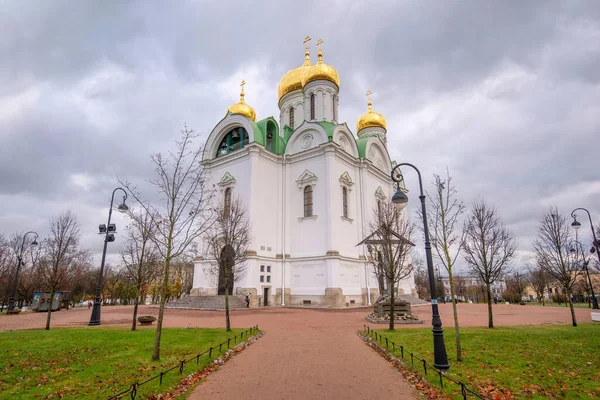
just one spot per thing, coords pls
(309, 187)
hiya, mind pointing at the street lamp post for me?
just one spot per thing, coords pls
(587, 271)
(108, 230)
(13, 293)
(400, 200)
(576, 225)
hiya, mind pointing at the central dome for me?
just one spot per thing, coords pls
(292, 80)
(321, 71)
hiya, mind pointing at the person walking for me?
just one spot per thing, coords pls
(248, 300)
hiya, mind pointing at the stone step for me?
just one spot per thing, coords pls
(206, 302)
(414, 301)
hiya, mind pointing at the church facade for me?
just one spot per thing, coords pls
(309, 186)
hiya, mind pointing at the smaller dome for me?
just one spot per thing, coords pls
(241, 108)
(369, 119)
(321, 71)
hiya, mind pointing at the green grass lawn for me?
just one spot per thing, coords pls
(97, 362)
(533, 362)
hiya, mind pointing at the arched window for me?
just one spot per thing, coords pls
(234, 140)
(291, 117)
(312, 106)
(345, 202)
(308, 201)
(227, 201)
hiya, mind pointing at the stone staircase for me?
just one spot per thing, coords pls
(206, 302)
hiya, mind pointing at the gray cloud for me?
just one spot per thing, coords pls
(506, 95)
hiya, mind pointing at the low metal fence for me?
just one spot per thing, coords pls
(133, 388)
(384, 341)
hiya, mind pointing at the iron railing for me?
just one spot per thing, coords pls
(133, 388)
(384, 341)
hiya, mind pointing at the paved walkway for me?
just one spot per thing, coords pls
(306, 355)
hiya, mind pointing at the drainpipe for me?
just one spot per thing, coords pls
(283, 216)
(362, 223)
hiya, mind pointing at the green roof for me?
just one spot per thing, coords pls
(329, 128)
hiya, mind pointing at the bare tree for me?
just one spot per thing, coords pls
(489, 247)
(61, 255)
(552, 250)
(140, 256)
(183, 215)
(538, 280)
(227, 242)
(390, 246)
(516, 283)
(446, 211)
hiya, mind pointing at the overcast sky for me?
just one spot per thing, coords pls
(504, 93)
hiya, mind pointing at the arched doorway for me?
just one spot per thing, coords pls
(227, 259)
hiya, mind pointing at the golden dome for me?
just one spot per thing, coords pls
(242, 108)
(370, 118)
(292, 80)
(321, 71)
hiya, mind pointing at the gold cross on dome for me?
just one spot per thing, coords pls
(369, 93)
(319, 43)
(306, 40)
(242, 85)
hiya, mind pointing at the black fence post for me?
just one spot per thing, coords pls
(386, 343)
(181, 367)
(441, 379)
(425, 366)
(134, 390)
(228, 342)
(393, 346)
(402, 351)
(463, 391)
(220, 344)
(197, 359)
(412, 359)
(210, 353)
(160, 379)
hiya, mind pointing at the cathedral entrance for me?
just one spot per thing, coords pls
(266, 296)
(227, 257)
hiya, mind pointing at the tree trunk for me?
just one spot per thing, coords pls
(49, 316)
(455, 312)
(161, 310)
(392, 305)
(489, 301)
(135, 310)
(227, 321)
(572, 308)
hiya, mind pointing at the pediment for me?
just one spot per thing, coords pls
(227, 180)
(346, 180)
(306, 178)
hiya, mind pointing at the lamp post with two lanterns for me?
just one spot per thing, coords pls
(400, 199)
(13, 293)
(108, 231)
(576, 225)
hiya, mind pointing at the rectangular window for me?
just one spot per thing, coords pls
(268, 278)
(262, 278)
(268, 268)
(308, 201)
(262, 268)
(345, 202)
